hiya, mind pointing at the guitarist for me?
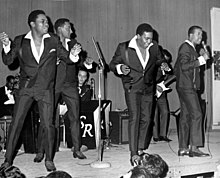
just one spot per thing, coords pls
(161, 117)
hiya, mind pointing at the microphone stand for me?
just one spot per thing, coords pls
(99, 142)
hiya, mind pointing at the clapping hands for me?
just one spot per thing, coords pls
(76, 49)
(4, 38)
(204, 53)
(89, 61)
(165, 67)
(125, 69)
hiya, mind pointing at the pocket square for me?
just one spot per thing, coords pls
(52, 50)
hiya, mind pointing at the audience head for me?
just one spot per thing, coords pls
(58, 174)
(149, 166)
(62, 27)
(10, 80)
(144, 34)
(83, 76)
(12, 172)
(167, 55)
(154, 164)
(138, 172)
(195, 34)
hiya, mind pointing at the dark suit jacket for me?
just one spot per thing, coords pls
(68, 72)
(86, 93)
(139, 79)
(30, 70)
(186, 67)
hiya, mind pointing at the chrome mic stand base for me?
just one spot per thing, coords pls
(100, 164)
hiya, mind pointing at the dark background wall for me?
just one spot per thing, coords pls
(113, 21)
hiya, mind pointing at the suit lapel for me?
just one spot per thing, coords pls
(133, 60)
(26, 53)
(45, 51)
(151, 59)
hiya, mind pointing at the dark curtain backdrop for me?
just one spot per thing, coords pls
(113, 21)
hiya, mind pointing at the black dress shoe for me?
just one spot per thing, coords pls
(197, 153)
(183, 152)
(135, 159)
(140, 152)
(156, 139)
(50, 166)
(79, 154)
(39, 157)
(164, 138)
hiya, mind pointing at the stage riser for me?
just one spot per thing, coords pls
(205, 170)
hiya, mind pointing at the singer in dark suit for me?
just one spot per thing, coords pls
(161, 115)
(67, 84)
(37, 52)
(187, 83)
(136, 62)
(66, 87)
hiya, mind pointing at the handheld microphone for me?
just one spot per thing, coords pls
(204, 46)
(205, 49)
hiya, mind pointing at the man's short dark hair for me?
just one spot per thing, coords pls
(12, 171)
(85, 70)
(193, 28)
(60, 22)
(9, 77)
(143, 28)
(58, 174)
(141, 172)
(154, 164)
(33, 16)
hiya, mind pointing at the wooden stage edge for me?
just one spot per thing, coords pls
(118, 156)
(195, 167)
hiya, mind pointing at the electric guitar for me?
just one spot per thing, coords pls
(163, 86)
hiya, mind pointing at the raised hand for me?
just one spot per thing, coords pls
(204, 53)
(125, 69)
(4, 38)
(89, 60)
(165, 67)
(76, 49)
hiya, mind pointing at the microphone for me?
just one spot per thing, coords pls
(205, 49)
(92, 87)
(204, 46)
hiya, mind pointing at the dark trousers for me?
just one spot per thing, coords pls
(70, 95)
(23, 102)
(161, 117)
(190, 122)
(140, 110)
(6, 110)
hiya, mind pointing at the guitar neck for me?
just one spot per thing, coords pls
(169, 80)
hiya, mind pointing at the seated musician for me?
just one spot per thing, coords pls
(7, 96)
(85, 91)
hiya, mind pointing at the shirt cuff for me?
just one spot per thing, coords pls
(7, 48)
(88, 66)
(202, 60)
(74, 58)
(118, 68)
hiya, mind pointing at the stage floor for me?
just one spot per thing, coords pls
(118, 157)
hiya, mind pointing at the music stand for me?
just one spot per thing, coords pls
(99, 142)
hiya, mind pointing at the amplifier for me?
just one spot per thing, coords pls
(119, 130)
